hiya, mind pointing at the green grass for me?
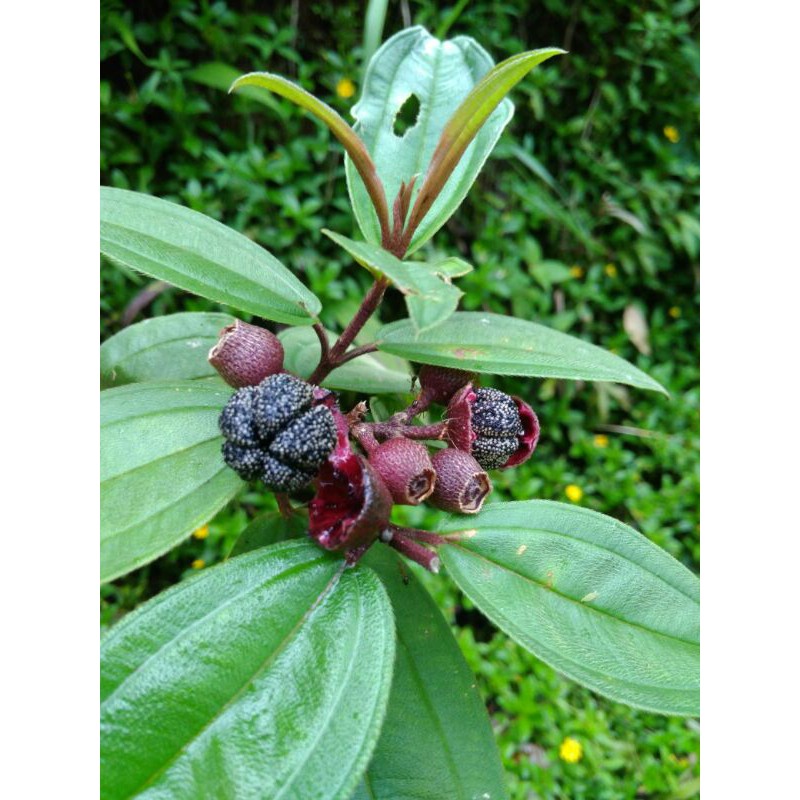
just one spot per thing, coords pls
(584, 177)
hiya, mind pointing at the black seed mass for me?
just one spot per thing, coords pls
(494, 413)
(273, 433)
(496, 421)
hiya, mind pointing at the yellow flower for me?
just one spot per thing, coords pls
(671, 132)
(571, 750)
(576, 271)
(674, 312)
(201, 532)
(198, 563)
(345, 88)
(601, 440)
(574, 493)
(610, 270)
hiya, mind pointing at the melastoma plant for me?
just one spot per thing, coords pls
(312, 663)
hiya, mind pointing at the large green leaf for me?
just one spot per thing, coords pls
(430, 299)
(368, 374)
(467, 121)
(437, 741)
(265, 677)
(174, 347)
(161, 470)
(199, 254)
(590, 596)
(353, 145)
(439, 75)
(502, 345)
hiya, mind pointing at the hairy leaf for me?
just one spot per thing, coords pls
(501, 345)
(439, 75)
(174, 347)
(368, 374)
(199, 254)
(161, 470)
(590, 596)
(266, 676)
(429, 299)
(437, 741)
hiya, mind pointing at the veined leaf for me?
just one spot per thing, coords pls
(161, 469)
(437, 741)
(588, 595)
(440, 75)
(429, 299)
(368, 374)
(502, 345)
(465, 124)
(174, 347)
(266, 676)
(353, 145)
(199, 254)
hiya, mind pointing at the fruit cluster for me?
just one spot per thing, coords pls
(293, 437)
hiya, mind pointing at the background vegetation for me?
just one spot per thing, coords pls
(586, 218)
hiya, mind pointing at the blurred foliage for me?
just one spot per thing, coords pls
(588, 207)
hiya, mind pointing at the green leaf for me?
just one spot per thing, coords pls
(429, 299)
(353, 145)
(199, 254)
(502, 345)
(266, 676)
(161, 469)
(439, 75)
(588, 595)
(368, 374)
(447, 268)
(436, 741)
(269, 528)
(220, 76)
(465, 124)
(174, 347)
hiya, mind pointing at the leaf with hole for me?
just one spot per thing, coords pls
(174, 347)
(464, 125)
(199, 254)
(436, 741)
(161, 469)
(368, 374)
(588, 595)
(499, 345)
(429, 299)
(439, 75)
(266, 676)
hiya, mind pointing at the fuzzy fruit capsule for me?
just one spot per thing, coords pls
(406, 469)
(246, 354)
(461, 483)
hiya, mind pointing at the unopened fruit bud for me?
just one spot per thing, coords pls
(246, 354)
(461, 483)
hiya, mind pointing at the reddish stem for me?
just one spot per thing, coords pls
(386, 429)
(397, 538)
(417, 535)
(336, 356)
